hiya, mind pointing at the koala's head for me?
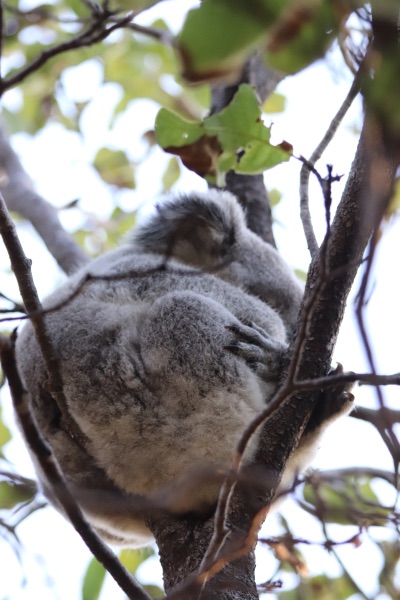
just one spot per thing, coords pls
(200, 229)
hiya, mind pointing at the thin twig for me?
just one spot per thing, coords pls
(290, 541)
(89, 277)
(339, 474)
(42, 12)
(17, 307)
(97, 32)
(316, 155)
(386, 431)
(162, 35)
(383, 420)
(349, 577)
(21, 266)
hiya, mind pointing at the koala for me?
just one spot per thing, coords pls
(166, 354)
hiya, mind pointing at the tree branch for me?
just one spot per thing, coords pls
(21, 266)
(341, 252)
(385, 52)
(49, 465)
(316, 155)
(329, 282)
(172, 535)
(20, 196)
(97, 31)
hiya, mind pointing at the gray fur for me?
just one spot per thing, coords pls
(164, 368)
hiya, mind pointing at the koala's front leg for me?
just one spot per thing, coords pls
(332, 403)
(260, 352)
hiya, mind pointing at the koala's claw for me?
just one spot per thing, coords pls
(260, 352)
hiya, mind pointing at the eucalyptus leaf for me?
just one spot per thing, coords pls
(93, 580)
(5, 434)
(292, 34)
(115, 168)
(233, 139)
(132, 559)
(12, 494)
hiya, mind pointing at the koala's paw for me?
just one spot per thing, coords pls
(332, 403)
(258, 350)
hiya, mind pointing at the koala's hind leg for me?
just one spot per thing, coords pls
(261, 352)
(193, 337)
(202, 395)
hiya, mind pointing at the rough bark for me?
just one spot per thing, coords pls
(332, 274)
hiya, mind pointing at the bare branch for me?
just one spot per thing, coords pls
(21, 266)
(338, 474)
(383, 420)
(97, 31)
(386, 40)
(16, 307)
(341, 378)
(20, 196)
(316, 155)
(375, 416)
(162, 35)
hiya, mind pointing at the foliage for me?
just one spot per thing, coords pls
(292, 36)
(234, 139)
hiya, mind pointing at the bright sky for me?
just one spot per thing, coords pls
(312, 100)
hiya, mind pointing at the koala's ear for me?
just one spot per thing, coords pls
(199, 229)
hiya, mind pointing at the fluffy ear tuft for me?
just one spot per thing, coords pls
(199, 229)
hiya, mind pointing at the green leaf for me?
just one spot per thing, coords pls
(235, 138)
(132, 559)
(80, 8)
(274, 196)
(171, 174)
(5, 434)
(320, 588)
(275, 103)
(303, 34)
(172, 130)
(154, 591)
(12, 494)
(93, 580)
(388, 577)
(234, 30)
(115, 168)
(293, 35)
(302, 275)
(118, 224)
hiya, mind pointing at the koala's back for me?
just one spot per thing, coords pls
(147, 376)
(164, 364)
